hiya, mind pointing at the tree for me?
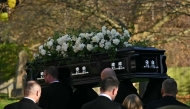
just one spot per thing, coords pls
(161, 21)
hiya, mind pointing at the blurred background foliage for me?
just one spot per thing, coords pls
(9, 59)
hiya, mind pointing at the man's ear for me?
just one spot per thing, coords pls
(100, 90)
(162, 91)
(37, 93)
(114, 91)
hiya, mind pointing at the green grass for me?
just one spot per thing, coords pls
(182, 76)
(4, 100)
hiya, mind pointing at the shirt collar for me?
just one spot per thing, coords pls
(30, 99)
(54, 81)
(106, 96)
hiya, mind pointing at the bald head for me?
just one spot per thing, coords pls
(108, 72)
(32, 90)
(31, 87)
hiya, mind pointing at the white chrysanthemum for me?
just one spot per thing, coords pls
(43, 52)
(116, 41)
(41, 47)
(89, 47)
(58, 48)
(65, 46)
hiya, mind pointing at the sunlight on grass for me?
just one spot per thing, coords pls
(4, 100)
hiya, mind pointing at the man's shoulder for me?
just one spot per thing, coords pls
(11, 106)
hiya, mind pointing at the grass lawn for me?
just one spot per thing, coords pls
(4, 100)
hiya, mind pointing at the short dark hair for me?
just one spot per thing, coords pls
(170, 86)
(53, 71)
(109, 83)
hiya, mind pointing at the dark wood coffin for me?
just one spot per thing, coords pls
(128, 63)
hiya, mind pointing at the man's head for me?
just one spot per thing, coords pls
(107, 72)
(51, 74)
(109, 86)
(169, 87)
(32, 90)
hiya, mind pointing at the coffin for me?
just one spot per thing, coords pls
(128, 63)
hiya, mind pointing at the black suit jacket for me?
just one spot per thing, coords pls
(82, 96)
(55, 96)
(125, 88)
(23, 104)
(165, 101)
(102, 102)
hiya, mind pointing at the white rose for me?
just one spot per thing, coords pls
(36, 55)
(49, 44)
(127, 44)
(101, 45)
(100, 35)
(95, 39)
(41, 47)
(104, 30)
(75, 49)
(43, 52)
(113, 31)
(82, 35)
(107, 45)
(116, 41)
(102, 41)
(58, 48)
(108, 32)
(65, 46)
(126, 33)
(80, 46)
(89, 47)
(78, 41)
(52, 40)
(117, 34)
(60, 40)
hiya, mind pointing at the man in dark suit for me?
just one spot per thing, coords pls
(169, 91)
(108, 89)
(55, 95)
(125, 87)
(32, 92)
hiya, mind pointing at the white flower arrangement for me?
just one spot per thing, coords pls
(83, 44)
